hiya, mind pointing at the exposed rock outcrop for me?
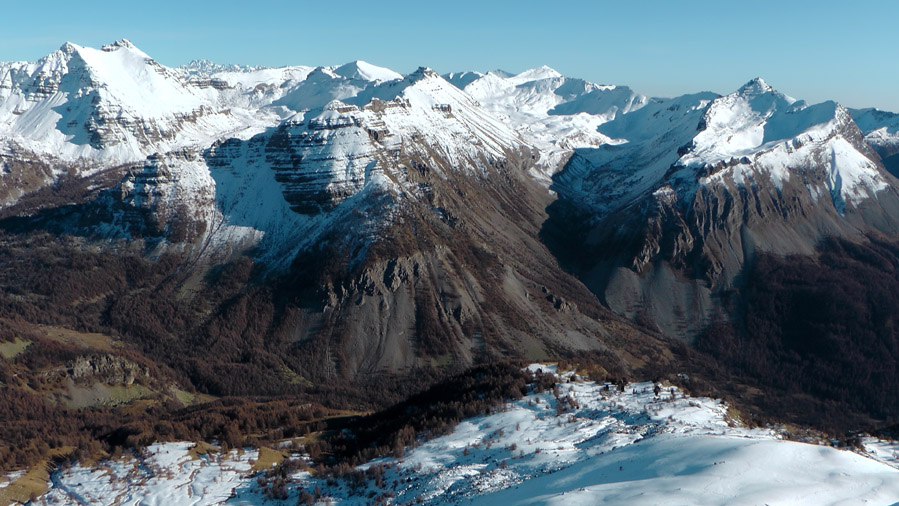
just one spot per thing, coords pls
(108, 369)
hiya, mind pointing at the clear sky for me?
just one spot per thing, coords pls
(847, 51)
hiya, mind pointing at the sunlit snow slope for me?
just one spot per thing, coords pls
(599, 446)
(554, 112)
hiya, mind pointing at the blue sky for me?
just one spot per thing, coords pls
(845, 51)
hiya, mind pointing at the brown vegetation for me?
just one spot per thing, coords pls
(819, 337)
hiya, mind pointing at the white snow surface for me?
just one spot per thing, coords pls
(608, 447)
(5, 481)
(881, 128)
(870, 120)
(165, 475)
(553, 112)
(644, 144)
(450, 120)
(366, 71)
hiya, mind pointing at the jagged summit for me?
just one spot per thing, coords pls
(202, 64)
(875, 120)
(421, 73)
(68, 47)
(756, 85)
(432, 89)
(462, 79)
(119, 44)
(209, 67)
(760, 98)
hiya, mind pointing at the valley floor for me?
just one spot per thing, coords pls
(581, 443)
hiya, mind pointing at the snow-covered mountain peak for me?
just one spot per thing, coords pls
(755, 115)
(366, 72)
(500, 73)
(756, 86)
(534, 74)
(325, 71)
(324, 84)
(117, 105)
(355, 83)
(764, 97)
(135, 81)
(119, 74)
(881, 129)
(544, 91)
(424, 104)
(201, 66)
(66, 48)
(123, 48)
(758, 132)
(423, 73)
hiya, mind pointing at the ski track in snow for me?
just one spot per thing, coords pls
(611, 447)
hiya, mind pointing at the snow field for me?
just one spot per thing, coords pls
(166, 476)
(580, 443)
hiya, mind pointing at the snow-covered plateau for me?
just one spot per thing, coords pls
(580, 443)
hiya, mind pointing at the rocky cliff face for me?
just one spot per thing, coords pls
(108, 369)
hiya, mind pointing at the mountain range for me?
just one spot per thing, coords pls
(254, 230)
